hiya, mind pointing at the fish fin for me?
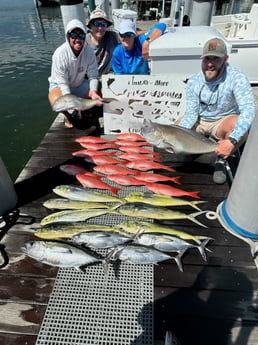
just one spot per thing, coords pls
(109, 100)
(169, 149)
(194, 194)
(194, 203)
(178, 260)
(112, 209)
(105, 265)
(202, 248)
(196, 214)
(115, 190)
(170, 339)
(170, 169)
(176, 179)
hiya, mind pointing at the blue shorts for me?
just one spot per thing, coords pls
(79, 91)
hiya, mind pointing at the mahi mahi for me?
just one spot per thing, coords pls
(138, 227)
(142, 210)
(64, 204)
(160, 200)
(83, 194)
(68, 229)
(73, 215)
(176, 139)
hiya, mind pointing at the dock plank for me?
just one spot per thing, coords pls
(212, 302)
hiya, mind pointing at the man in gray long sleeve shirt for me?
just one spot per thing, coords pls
(72, 62)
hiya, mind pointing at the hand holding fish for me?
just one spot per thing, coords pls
(225, 148)
(94, 95)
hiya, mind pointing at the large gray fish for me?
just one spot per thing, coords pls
(143, 255)
(168, 243)
(59, 254)
(176, 139)
(72, 102)
(100, 239)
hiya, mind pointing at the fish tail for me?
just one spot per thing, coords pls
(178, 260)
(194, 194)
(169, 338)
(192, 217)
(176, 179)
(105, 264)
(115, 190)
(194, 203)
(202, 248)
(170, 169)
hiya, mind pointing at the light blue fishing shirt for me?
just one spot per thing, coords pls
(211, 101)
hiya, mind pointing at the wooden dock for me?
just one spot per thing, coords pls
(212, 302)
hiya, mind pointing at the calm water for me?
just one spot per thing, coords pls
(28, 40)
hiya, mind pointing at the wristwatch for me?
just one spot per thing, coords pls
(232, 140)
(148, 39)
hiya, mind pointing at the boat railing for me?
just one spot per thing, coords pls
(240, 25)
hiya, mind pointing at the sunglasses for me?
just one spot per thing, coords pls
(75, 35)
(100, 24)
(127, 34)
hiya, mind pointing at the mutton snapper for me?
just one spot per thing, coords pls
(60, 254)
(176, 139)
(72, 102)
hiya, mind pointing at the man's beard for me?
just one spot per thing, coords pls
(215, 73)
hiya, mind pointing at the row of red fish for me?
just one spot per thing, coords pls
(127, 168)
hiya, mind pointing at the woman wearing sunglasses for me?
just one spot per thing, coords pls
(101, 40)
(71, 63)
(131, 56)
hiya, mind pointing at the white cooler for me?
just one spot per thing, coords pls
(119, 14)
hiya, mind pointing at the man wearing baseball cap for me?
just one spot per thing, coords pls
(219, 103)
(101, 40)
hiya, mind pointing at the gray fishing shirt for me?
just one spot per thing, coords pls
(69, 71)
(104, 50)
(210, 101)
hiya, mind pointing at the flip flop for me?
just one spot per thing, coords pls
(67, 122)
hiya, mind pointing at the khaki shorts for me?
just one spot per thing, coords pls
(209, 128)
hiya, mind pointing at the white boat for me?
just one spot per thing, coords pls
(179, 50)
(241, 32)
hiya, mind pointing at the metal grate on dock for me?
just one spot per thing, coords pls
(94, 308)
